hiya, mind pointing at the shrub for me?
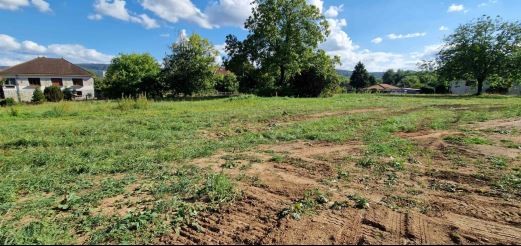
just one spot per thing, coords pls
(227, 83)
(7, 102)
(68, 94)
(38, 96)
(53, 94)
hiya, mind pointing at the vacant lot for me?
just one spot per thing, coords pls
(362, 169)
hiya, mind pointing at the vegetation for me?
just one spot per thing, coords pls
(191, 67)
(38, 96)
(65, 184)
(130, 75)
(360, 77)
(53, 94)
(485, 49)
(278, 54)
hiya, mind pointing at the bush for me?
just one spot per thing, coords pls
(68, 94)
(38, 96)
(227, 83)
(7, 102)
(53, 94)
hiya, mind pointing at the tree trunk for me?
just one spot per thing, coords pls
(480, 87)
(282, 75)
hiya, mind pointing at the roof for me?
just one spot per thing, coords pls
(46, 66)
(382, 87)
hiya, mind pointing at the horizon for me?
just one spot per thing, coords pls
(400, 33)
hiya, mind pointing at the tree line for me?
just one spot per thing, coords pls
(280, 56)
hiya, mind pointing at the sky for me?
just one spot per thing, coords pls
(383, 34)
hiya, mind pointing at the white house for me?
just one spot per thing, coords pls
(23, 79)
(462, 87)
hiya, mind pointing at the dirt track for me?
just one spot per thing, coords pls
(432, 202)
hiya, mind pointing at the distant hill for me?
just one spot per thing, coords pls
(98, 69)
(348, 73)
(3, 67)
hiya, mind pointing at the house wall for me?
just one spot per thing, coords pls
(460, 88)
(26, 91)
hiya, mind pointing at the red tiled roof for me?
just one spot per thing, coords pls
(382, 87)
(46, 66)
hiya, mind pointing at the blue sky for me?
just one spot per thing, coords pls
(381, 33)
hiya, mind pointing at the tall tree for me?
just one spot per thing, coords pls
(360, 77)
(126, 73)
(283, 36)
(481, 49)
(388, 77)
(191, 66)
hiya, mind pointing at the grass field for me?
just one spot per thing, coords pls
(199, 172)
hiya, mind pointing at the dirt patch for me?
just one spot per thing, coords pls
(429, 201)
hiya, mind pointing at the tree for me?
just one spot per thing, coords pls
(480, 50)
(317, 76)
(388, 77)
(126, 73)
(283, 37)
(227, 83)
(53, 94)
(38, 96)
(190, 68)
(360, 77)
(372, 80)
(2, 82)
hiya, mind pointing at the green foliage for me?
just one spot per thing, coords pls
(68, 94)
(481, 49)
(53, 94)
(227, 83)
(277, 55)
(38, 96)
(360, 77)
(318, 78)
(7, 102)
(190, 67)
(218, 189)
(127, 73)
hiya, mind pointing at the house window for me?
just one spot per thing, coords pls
(34, 82)
(10, 82)
(79, 93)
(57, 82)
(78, 82)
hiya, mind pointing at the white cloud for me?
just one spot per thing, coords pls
(13, 4)
(117, 9)
(318, 3)
(182, 36)
(334, 11)
(228, 12)
(377, 40)
(12, 52)
(41, 5)
(175, 10)
(32, 47)
(165, 35)
(394, 36)
(443, 28)
(489, 2)
(8, 43)
(456, 8)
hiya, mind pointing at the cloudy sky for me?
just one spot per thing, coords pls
(381, 33)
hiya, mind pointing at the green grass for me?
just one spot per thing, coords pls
(59, 161)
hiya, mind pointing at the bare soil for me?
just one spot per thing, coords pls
(432, 201)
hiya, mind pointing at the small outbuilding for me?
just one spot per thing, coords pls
(21, 80)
